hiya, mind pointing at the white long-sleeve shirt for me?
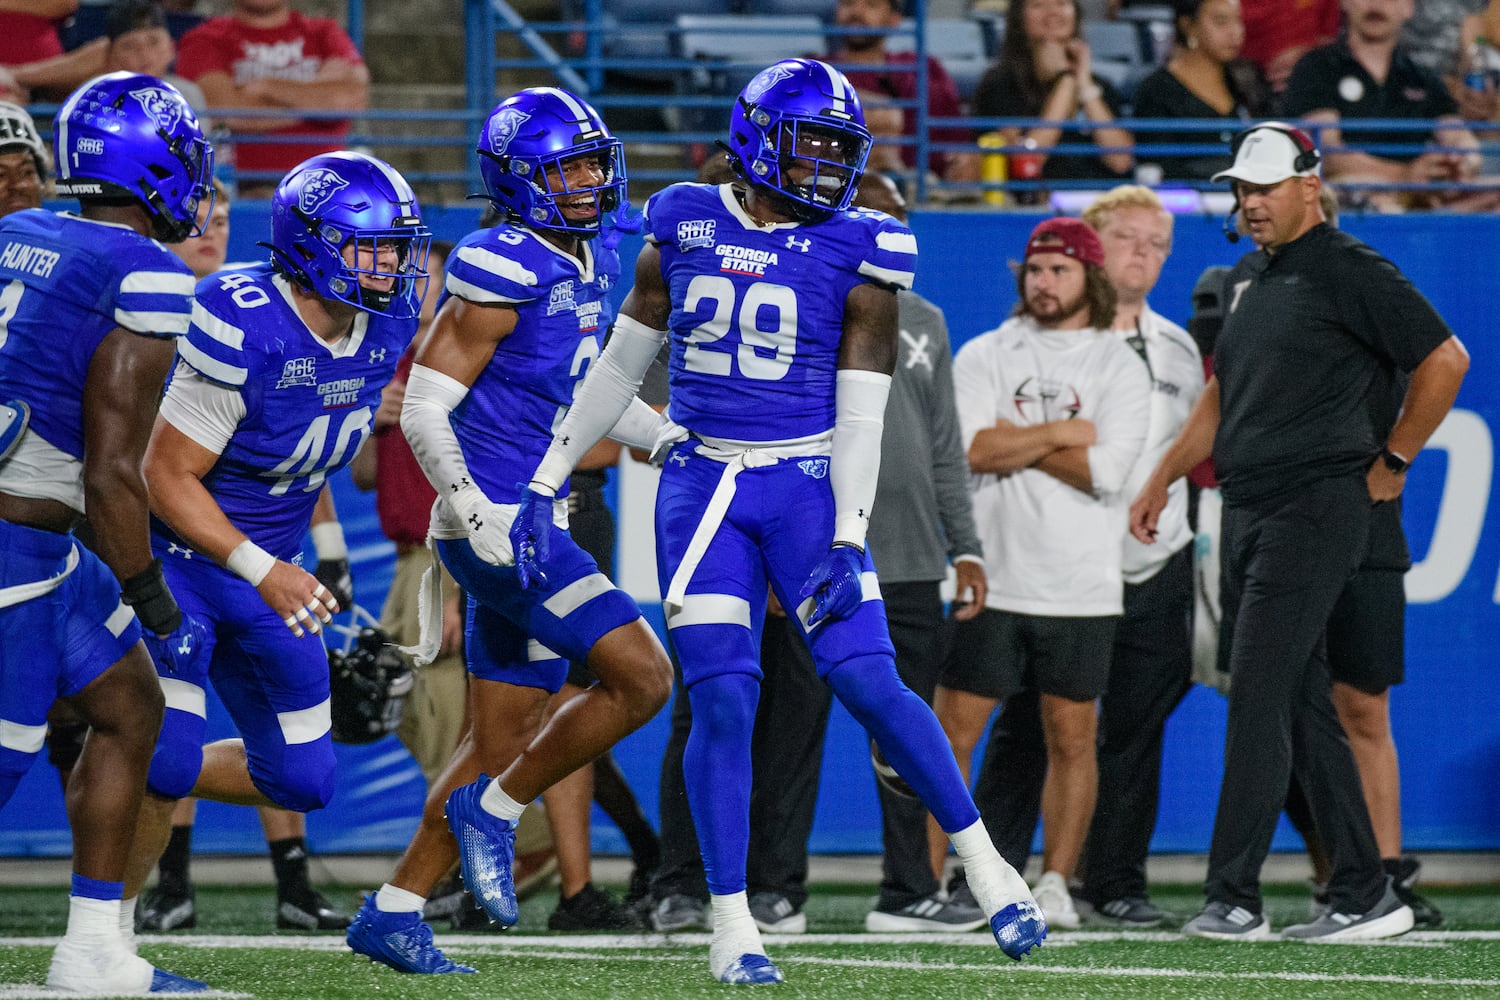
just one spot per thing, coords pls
(1049, 548)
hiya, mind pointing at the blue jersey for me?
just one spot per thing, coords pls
(758, 312)
(308, 405)
(65, 283)
(505, 423)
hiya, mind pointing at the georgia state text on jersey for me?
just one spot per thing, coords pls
(758, 312)
(308, 405)
(65, 283)
(506, 421)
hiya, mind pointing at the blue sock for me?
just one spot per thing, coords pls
(91, 888)
(716, 770)
(909, 735)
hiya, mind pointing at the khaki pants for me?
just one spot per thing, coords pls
(433, 719)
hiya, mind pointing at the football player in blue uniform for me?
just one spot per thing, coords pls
(278, 379)
(780, 303)
(89, 306)
(524, 319)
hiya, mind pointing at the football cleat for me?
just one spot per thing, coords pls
(751, 970)
(400, 940)
(112, 971)
(486, 848)
(1018, 928)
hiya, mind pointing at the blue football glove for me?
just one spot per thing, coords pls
(835, 585)
(176, 653)
(530, 535)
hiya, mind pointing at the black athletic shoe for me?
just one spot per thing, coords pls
(167, 908)
(309, 913)
(592, 910)
(1403, 872)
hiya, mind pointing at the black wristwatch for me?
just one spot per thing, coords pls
(1396, 463)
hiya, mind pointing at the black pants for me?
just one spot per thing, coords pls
(1150, 673)
(1286, 560)
(787, 754)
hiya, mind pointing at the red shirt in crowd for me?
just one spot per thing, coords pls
(901, 84)
(1273, 26)
(403, 496)
(296, 51)
(26, 38)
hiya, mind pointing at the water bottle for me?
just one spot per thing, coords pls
(994, 169)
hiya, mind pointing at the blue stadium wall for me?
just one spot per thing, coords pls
(1446, 717)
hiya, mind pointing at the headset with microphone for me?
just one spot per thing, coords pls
(1308, 160)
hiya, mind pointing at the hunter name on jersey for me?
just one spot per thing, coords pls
(32, 260)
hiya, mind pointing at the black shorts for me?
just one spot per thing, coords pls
(1001, 652)
(1367, 632)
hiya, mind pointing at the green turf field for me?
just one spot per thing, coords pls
(232, 949)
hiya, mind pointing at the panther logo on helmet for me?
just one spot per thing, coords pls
(504, 126)
(165, 109)
(765, 80)
(319, 186)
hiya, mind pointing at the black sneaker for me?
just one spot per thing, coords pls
(309, 913)
(446, 898)
(589, 909)
(930, 914)
(467, 916)
(1403, 872)
(167, 908)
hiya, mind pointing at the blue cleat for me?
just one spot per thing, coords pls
(486, 850)
(163, 981)
(1019, 928)
(400, 940)
(752, 970)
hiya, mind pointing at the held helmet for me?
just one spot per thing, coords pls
(335, 200)
(527, 139)
(18, 131)
(801, 111)
(129, 135)
(368, 684)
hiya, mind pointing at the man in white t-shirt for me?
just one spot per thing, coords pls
(1053, 410)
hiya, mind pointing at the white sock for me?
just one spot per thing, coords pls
(391, 899)
(994, 883)
(127, 923)
(93, 920)
(735, 933)
(495, 802)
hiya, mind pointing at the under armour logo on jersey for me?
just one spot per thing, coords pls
(792, 243)
(503, 128)
(173, 549)
(377, 355)
(317, 187)
(165, 109)
(815, 467)
(1239, 289)
(918, 352)
(462, 484)
(679, 458)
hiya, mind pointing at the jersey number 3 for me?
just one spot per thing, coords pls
(766, 321)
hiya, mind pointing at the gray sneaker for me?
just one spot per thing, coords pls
(930, 914)
(1389, 918)
(1224, 922)
(775, 914)
(1131, 911)
(678, 912)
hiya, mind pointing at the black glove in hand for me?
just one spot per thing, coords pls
(334, 574)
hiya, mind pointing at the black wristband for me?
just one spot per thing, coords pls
(154, 604)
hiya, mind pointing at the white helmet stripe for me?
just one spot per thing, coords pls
(836, 86)
(579, 112)
(64, 166)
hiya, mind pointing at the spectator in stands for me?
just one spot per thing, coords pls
(265, 55)
(28, 29)
(1476, 56)
(1431, 37)
(23, 161)
(1044, 71)
(1367, 74)
(881, 85)
(1205, 78)
(11, 90)
(1054, 411)
(1279, 32)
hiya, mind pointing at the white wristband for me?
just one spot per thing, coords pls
(328, 541)
(250, 562)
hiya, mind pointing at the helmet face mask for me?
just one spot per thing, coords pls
(348, 227)
(535, 149)
(368, 685)
(132, 136)
(798, 130)
(18, 132)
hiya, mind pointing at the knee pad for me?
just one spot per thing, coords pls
(302, 779)
(178, 758)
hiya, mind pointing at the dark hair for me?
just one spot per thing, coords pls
(1184, 9)
(1015, 65)
(1098, 292)
(126, 16)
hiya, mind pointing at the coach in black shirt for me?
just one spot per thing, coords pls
(1315, 323)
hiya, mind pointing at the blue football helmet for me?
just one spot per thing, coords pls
(132, 135)
(801, 111)
(527, 138)
(335, 200)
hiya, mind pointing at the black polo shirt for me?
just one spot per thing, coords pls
(1331, 78)
(1312, 338)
